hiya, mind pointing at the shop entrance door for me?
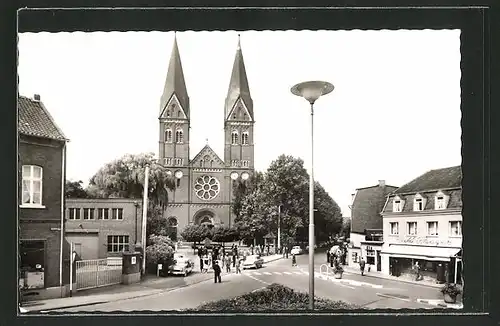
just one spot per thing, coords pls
(379, 263)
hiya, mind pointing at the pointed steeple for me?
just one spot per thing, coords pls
(174, 83)
(238, 86)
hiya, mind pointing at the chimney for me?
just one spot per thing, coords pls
(36, 97)
(381, 183)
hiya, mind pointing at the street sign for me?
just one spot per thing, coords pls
(160, 266)
(133, 260)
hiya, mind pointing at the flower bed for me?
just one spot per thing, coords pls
(274, 297)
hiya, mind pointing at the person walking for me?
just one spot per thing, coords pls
(362, 266)
(327, 256)
(294, 260)
(417, 271)
(238, 266)
(228, 264)
(217, 272)
(286, 252)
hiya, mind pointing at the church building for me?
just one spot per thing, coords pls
(204, 184)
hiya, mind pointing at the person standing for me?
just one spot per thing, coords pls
(362, 266)
(217, 272)
(417, 271)
(294, 260)
(327, 256)
(286, 252)
(228, 264)
(238, 266)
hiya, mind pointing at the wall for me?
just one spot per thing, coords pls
(107, 227)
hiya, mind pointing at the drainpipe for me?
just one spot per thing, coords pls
(136, 204)
(63, 181)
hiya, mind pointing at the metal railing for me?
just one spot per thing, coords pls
(324, 275)
(95, 273)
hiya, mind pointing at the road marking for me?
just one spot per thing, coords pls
(267, 273)
(256, 273)
(392, 297)
(277, 273)
(305, 273)
(287, 273)
(298, 273)
(259, 280)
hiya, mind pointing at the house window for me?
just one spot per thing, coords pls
(168, 135)
(244, 138)
(88, 213)
(117, 214)
(32, 185)
(419, 204)
(103, 213)
(394, 228)
(118, 243)
(179, 136)
(456, 228)
(354, 257)
(234, 137)
(74, 214)
(412, 228)
(440, 203)
(397, 206)
(432, 228)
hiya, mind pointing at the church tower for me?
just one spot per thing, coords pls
(239, 119)
(174, 120)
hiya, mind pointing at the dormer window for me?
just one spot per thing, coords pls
(179, 136)
(244, 138)
(397, 205)
(168, 135)
(441, 200)
(418, 203)
(234, 137)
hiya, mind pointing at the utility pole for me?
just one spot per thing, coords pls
(279, 227)
(145, 217)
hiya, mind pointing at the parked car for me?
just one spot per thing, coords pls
(253, 261)
(296, 250)
(182, 265)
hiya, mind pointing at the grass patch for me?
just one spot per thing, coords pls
(274, 297)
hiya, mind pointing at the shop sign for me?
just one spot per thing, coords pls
(414, 240)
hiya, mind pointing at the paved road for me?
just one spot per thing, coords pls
(367, 292)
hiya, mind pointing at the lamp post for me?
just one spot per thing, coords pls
(311, 91)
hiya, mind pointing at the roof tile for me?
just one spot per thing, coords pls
(35, 120)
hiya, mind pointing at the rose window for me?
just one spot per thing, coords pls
(207, 187)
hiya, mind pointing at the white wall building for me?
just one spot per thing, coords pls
(422, 222)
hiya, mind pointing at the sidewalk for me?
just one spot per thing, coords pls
(150, 285)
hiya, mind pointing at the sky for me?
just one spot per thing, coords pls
(393, 115)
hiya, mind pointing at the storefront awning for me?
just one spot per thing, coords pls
(419, 252)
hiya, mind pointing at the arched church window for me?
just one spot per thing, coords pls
(168, 135)
(212, 163)
(178, 113)
(244, 138)
(234, 137)
(168, 113)
(179, 136)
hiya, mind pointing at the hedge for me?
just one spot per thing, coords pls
(274, 297)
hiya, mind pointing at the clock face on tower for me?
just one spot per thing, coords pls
(206, 187)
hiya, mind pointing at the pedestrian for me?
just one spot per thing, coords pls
(217, 272)
(417, 271)
(286, 252)
(327, 256)
(228, 264)
(238, 265)
(362, 266)
(294, 260)
(251, 248)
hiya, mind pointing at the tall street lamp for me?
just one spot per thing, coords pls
(311, 91)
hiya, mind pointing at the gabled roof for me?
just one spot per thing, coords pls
(175, 83)
(445, 178)
(207, 150)
(238, 85)
(367, 206)
(35, 120)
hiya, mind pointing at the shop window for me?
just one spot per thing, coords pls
(411, 228)
(370, 260)
(394, 228)
(456, 228)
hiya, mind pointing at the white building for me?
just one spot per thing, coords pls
(422, 222)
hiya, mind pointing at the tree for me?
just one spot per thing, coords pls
(160, 250)
(74, 189)
(124, 178)
(196, 233)
(328, 216)
(241, 188)
(224, 233)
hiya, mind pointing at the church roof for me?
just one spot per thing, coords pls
(175, 83)
(206, 150)
(238, 85)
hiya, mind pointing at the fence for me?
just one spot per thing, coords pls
(95, 273)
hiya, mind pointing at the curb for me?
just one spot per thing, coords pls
(437, 286)
(441, 304)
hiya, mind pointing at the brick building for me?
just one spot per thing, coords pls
(423, 223)
(366, 224)
(101, 228)
(204, 183)
(42, 149)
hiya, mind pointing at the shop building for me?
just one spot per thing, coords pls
(43, 252)
(366, 237)
(102, 228)
(422, 222)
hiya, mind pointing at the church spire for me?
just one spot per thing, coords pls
(174, 83)
(238, 86)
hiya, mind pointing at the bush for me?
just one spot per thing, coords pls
(274, 297)
(451, 289)
(160, 250)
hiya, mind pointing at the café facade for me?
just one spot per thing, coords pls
(422, 222)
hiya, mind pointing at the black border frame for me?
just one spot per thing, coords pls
(479, 25)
